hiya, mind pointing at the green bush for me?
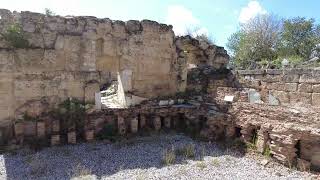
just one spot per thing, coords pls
(15, 36)
(108, 132)
(71, 112)
(169, 157)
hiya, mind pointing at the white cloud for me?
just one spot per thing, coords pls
(182, 19)
(250, 11)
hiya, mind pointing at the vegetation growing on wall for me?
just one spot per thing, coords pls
(15, 36)
(71, 113)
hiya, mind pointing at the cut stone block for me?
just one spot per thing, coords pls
(273, 101)
(300, 97)
(56, 126)
(167, 122)
(41, 129)
(19, 129)
(316, 99)
(254, 97)
(30, 128)
(55, 140)
(303, 165)
(121, 126)
(291, 87)
(89, 135)
(157, 123)
(134, 125)
(316, 88)
(305, 87)
(142, 121)
(72, 137)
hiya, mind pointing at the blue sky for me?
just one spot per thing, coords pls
(218, 18)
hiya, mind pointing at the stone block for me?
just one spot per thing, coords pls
(274, 71)
(230, 131)
(291, 87)
(142, 121)
(305, 87)
(134, 125)
(316, 99)
(308, 78)
(41, 129)
(19, 129)
(30, 128)
(282, 96)
(72, 137)
(157, 123)
(167, 122)
(90, 90)
(89, 135)
(303, 165)
(291, 78)
(272, 78)
(56, 126)
(277, 86)
(121, 126)
(300, 97)
(315, 160)
(316, 88)
(55, 140)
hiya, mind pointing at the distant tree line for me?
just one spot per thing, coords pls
(266, 40)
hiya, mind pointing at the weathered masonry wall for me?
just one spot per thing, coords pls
(291, 86)
(74, 57)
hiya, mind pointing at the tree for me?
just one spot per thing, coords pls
(299, 37)
(256, 42)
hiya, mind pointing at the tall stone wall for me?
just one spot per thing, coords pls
(75, 56)
(289, 86)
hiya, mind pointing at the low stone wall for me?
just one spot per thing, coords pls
(289, 86)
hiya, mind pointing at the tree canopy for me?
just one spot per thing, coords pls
(266, 40)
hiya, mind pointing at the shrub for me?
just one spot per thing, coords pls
(80, 170)
(108, 132)
(71, 112)
(201, 165)
(169, 157)
(215, 162)
(15, 36)
(267, 152)
(187, 151)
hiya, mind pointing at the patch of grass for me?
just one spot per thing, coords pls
(169, 157)
(228, 158)
(187, 151)
(267, 152)
(203, 153)
(79, 171)
(201, 165)
(251, 146)
(215, 162)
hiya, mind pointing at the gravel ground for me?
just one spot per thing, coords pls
(139, 158)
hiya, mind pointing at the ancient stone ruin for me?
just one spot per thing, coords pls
(73, 76)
